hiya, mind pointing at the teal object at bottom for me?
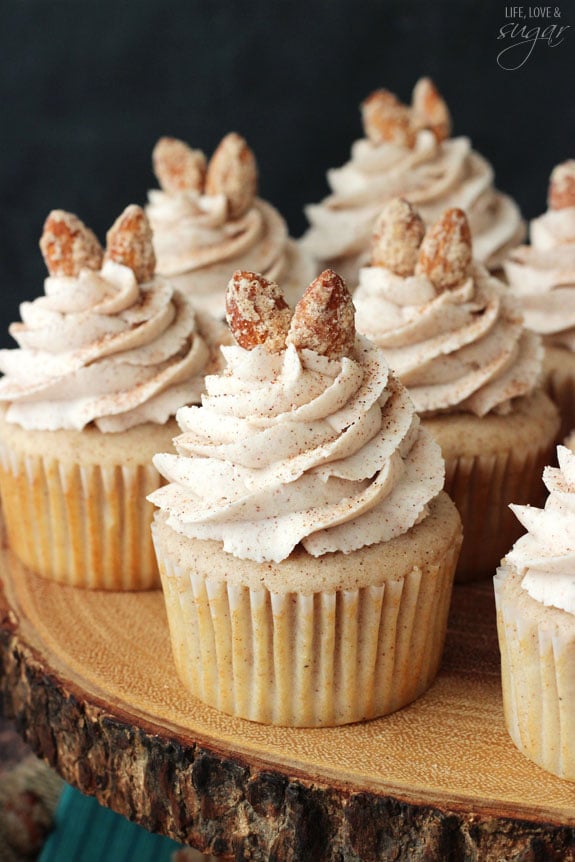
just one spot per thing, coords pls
(84, 831)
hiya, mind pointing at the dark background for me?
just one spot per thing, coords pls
(86, 88)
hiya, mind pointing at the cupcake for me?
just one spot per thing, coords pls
(105, 358)
(208, 221)
(308, 583)
(407, 151)
(542, 277)
(535, 598)
(455, 338)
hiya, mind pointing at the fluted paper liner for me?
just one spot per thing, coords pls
(326, 658)
(537, 674)
(482, 487)
(81, 525)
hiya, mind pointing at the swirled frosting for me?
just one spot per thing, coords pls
(542, 276)
(463, 349)
(100, 347)
(433, 175)
(294, 447)
(197, 246)
(545, 555)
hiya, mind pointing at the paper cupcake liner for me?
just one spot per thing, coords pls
(538, 678)
(85, 526)
(482, 487)
(323, 659)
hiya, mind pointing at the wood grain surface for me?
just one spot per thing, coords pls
(90, 680)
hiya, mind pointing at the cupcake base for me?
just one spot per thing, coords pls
(537, 646)
(490, 462)
(311, 641)
(559, 383)
(74, 502)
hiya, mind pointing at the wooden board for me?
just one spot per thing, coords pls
(89, 678)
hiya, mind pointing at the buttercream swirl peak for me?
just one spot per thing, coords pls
(542, 275)
(299, 444)
(109, 343)
(448, 329)
(407, 152)
(209, 221)
(545, 555)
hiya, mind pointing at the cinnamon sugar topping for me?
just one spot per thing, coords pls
(386, 119)
(232, 171)
(429, 110)
(324, 318)
(178, 167)
(68, 246)
(129, 242)
(256, 312)
(397, 235)
(446, 252)
(562, 186)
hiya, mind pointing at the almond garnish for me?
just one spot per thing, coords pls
(68, 246)
(129, 242)
(562, 186)
(177, 167)
(397, 235)
(429, 110)
(324, 318)
(386, 119)
(446, 251)
(256, 312)
(232, 171)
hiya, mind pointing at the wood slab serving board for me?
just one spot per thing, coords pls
(88, 676)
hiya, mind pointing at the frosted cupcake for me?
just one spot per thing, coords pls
(535, 597)
(455, 338)
(542, 277)
(208, 221)
(407, 151)
(105, 358)
(309, 583)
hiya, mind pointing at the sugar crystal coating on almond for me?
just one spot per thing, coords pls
(178, 167)
(385, 118)
(68, 246)
(324, 318)
(129, 242)
(562, 186)
(430, 111)
(232, 171)
(445, 254)
(397, 235)
(257, 312)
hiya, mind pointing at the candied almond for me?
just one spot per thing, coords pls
(232, 171)
(430, 111)
(68, 246)
(177, 167)
(446, 252)
(562, 186)
(386, 119)
(324, 318)
(397, 235)
(257, 312)
(129, 242)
